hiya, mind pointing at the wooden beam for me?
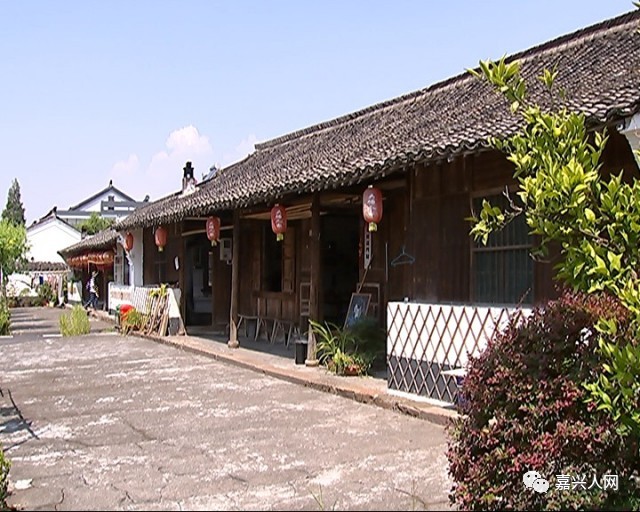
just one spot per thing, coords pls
(316, 279)
(235, 283)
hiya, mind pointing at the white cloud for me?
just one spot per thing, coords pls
(246, 147)
(126, 168)
(163, 174)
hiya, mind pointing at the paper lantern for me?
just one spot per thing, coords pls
(107, 258)
(279, 221)
(372, 207)
(128, 242)
(161, 237)
(213, 230)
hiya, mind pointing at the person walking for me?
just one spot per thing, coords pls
(93, 291)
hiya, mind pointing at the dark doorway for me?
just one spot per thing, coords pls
(340, 236)
(197, 262)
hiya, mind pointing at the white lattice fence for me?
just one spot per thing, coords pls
(425, 339)
(140, 298)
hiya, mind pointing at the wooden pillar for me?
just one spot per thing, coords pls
(181, 274)
(235, 283)
(316, 279)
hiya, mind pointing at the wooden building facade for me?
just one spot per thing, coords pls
(427, 152)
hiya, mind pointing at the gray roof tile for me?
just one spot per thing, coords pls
(598, 68)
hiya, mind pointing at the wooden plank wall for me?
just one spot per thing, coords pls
(437, 235)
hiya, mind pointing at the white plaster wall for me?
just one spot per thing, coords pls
(47, 239)
(94, 205)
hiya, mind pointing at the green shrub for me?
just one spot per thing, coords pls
(346, 351)
(132, 320)
(524, 410)
(5, 318)
(5, 465)
(47, 294)
(75, 322)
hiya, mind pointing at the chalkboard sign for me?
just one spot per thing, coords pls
(358, 307)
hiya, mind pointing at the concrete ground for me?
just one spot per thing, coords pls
(110, 422)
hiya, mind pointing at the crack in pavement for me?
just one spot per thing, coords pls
(144, 434)
(61, 500)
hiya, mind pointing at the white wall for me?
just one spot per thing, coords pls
(46, 239)
(94, 205)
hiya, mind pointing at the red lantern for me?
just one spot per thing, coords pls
(372, 207)
(213, 229)
(128, 242)
(279, 221)
(161, 237)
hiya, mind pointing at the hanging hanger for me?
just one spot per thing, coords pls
(403, 258)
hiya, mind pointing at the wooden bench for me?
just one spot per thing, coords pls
(245, 319)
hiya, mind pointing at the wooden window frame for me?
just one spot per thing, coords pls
(478, 248)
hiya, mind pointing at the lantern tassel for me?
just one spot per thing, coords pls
(373, 227)
(280, 237)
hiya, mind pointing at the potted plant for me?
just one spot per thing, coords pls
(337, 349)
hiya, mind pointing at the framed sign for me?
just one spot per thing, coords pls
(358, 307)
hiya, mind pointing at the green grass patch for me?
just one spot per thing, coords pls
(75, 322)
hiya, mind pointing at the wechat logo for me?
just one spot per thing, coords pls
(534, 480)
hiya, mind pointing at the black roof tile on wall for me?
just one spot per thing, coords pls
(598, 69)
(105, 239)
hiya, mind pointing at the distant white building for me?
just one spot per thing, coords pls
(48, 235)
(58, 229)
(110, 202)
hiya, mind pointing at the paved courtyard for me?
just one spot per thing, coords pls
(109, 422)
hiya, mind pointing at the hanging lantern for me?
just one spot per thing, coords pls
(213, 229)
(107, 258)
(279, 221)
(128, 242)
(372, 207)
(84, 259)
(161, 237)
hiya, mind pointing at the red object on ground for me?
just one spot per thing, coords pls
(124, 310)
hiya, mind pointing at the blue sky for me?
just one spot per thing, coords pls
(131, 90)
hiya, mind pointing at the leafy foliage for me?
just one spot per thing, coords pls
(5, 318)
(14, 210)
(95, 223)
(525, 409)
(343, 351)
(595, 220)
(46, 294)
(5, 466)
(132, 320)
(13, 248)
(75, 322)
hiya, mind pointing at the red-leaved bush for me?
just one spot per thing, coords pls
(524, 409)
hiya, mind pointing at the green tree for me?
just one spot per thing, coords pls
(594, 220)
(13, 250)
(14, 210)
(95, 223)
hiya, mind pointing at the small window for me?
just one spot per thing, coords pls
(503, 268)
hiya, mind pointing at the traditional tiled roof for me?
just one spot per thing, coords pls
(46, 266)
(598, 69)
(102, 240)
